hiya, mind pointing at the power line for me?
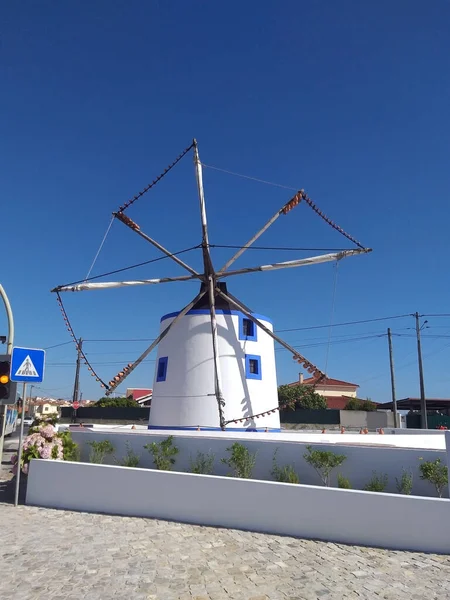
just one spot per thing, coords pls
(107, 363)
(58, 345)
(356, 339)
(343, 324)
(124, 340)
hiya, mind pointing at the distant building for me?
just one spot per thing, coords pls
(336, 392)
(142, 396)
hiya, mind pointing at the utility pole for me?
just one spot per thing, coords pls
(77, 371)
(391, 362)
(76, 384)
(423, 402)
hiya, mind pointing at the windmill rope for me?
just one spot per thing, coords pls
(77, 345)
(99, 250)
(305, 197)
(146, 262)
(333, 304)
(286, 187)
(155, 181)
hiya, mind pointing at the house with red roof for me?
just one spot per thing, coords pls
(336, 392)
(142, 396)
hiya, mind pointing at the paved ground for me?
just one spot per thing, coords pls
(56, 555)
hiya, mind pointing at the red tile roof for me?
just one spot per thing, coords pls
(327, 381)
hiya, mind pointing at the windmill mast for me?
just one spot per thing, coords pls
(210, 283)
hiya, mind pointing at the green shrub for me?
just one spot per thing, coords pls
(378, 483)
(343, 482)
(436, 473)
(99, 451)
(241, 461)
(131, 459)
(323, 462)
(358, 404)
(285, 474)
(71, 450)
(106, 402)
(405, 483)
(163, 453)
(203, 463)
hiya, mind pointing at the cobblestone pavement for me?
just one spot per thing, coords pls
(60, 555)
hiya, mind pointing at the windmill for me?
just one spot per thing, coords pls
(213, 333)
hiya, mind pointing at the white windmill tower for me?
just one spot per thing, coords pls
(215, 365)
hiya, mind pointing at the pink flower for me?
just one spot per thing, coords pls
(47, 432)
(46, 451)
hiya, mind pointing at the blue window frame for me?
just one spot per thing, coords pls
(161, 373)
(247, 329)
(253, 366)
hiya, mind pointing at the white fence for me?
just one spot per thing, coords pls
(343, 516)
(358, 467)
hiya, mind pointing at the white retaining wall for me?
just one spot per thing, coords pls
(359, 466)
(343, 516)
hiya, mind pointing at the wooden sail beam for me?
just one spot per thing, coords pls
(135, 227)
(309, 366)
(303, 262)
(105, 285)
(210, 278)
(283, 210)
(122, 375)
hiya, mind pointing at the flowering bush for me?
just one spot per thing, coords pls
(45, 442)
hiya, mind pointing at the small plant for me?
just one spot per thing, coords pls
(405, 483)
(71, 450)
(285, 474)
(131, 459)
(323, 462)
(163, 453)
(436, 473)
(242, 461)
(99, 451)
(378, 483)
(203, 463)
(343, 482)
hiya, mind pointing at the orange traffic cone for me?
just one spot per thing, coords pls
(366, 430)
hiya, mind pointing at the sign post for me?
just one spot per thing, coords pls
(27, 364)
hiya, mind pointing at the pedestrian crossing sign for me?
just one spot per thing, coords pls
(27, 364)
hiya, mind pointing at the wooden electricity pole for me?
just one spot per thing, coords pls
(423, 402)
(391, 362)
(76, 384)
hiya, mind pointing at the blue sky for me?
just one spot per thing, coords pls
(348, 100)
